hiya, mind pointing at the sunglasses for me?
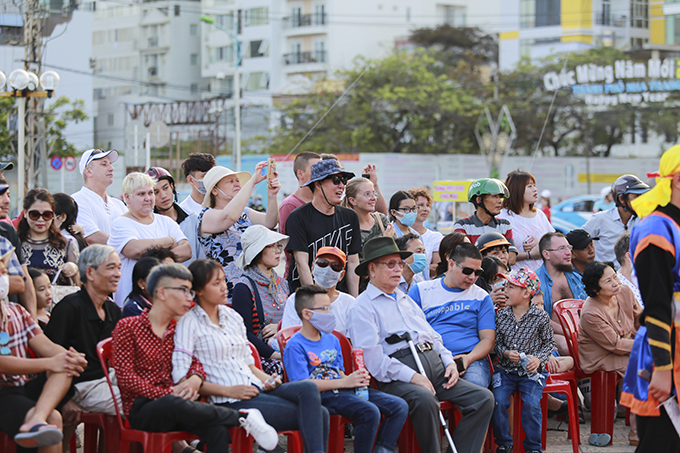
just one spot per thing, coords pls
(339, 179)
(4, 340)
(469, 270)
(35, 215)
(391, 264)
(337, 267)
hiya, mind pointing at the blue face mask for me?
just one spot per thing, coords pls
(408, 219)
(419, 263)
(324, 322)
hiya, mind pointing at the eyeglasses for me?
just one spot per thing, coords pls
(413, 209)
(339, 179)
(469, 270)
(35, 215)
(370, 195)
(4, 340)
(327, 308)
(278, 247)
(187, 292)
(322, 262)
(392, 263)
(561, 249)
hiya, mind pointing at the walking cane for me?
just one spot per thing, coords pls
(406, 336)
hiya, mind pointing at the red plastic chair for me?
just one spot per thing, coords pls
(336, 434)
(603, 384)
(151, 442)
(552, 386)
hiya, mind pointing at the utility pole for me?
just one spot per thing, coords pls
(35, 153)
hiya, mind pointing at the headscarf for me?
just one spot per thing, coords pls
(660, 195)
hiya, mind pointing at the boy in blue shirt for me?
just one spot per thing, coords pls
(524, 343)
(315, 353)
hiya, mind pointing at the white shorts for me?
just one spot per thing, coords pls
(95, 396)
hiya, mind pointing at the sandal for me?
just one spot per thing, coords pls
(599, 440)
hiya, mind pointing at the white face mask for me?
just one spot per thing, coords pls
(325, 277)
(4, 286)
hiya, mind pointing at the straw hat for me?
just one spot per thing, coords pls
(215, 175)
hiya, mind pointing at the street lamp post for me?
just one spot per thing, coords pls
(237, 84)
(24, 85)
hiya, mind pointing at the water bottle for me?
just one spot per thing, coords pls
(359, 364)
(535, 376)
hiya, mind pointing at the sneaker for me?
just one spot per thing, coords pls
(503, 448)
(255, 425)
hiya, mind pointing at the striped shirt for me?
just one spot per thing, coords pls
(222, 350)
(21, 328)
(474, 228)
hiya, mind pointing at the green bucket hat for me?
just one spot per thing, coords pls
(377, 248)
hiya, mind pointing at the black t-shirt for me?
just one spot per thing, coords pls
(8, 232)
(75, 322)
(309, 230)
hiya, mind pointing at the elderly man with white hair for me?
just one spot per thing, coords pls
(140, 229)
(96, 209)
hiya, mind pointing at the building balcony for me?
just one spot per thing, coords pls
(318, 56)
(304, 20)
(611, 20)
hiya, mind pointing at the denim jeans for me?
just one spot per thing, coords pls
(504, 385)
(479, 373)
(293, 406)
(366, 414)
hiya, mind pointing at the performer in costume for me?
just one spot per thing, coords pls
(655, 248)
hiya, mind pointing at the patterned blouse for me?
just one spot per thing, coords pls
(225, 247)
(49, 259)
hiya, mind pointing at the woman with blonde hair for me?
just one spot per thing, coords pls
(140, 229)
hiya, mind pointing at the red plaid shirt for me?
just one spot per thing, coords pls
(143, 361)
(21, 328)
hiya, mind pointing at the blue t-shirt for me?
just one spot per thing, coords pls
(456, 314)
(307, 359)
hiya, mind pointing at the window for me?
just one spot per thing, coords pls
(639, 13)
(320, 51)
(257, 81)
(109, 119)
(296, 16)
(257, 16)
(193, 29)
(454, 16)
(673, 29)
(525, 46)
(258, 49)
(194, 59)
(225, 53)
(539, 13)
(320, 14)
(194, 88)
(97, 38)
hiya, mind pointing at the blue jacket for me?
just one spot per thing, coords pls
(574, 280)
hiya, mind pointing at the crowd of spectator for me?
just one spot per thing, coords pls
(185, 289)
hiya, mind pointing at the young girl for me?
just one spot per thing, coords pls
(43, 295)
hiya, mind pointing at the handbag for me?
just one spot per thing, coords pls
(61, 291)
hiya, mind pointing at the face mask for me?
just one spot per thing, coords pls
(419, 263)
(4, 286)
(325, 277)
(201, 187)
(231, 198)
(324, 322)
(408, 219)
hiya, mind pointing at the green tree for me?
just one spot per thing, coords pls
(58, 115)
(405, 103)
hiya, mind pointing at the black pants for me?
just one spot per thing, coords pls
(171, 413)
(657, 434)
(475, 403)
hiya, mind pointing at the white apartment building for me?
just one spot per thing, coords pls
(142, 52)
(288, 44)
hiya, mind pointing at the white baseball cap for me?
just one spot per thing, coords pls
(96, 154)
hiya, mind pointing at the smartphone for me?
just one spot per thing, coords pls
(366, 175)
(460, 364)
(500, 284)
(271, 169)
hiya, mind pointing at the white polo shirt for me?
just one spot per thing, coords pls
(189, 205)
(94, 214)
